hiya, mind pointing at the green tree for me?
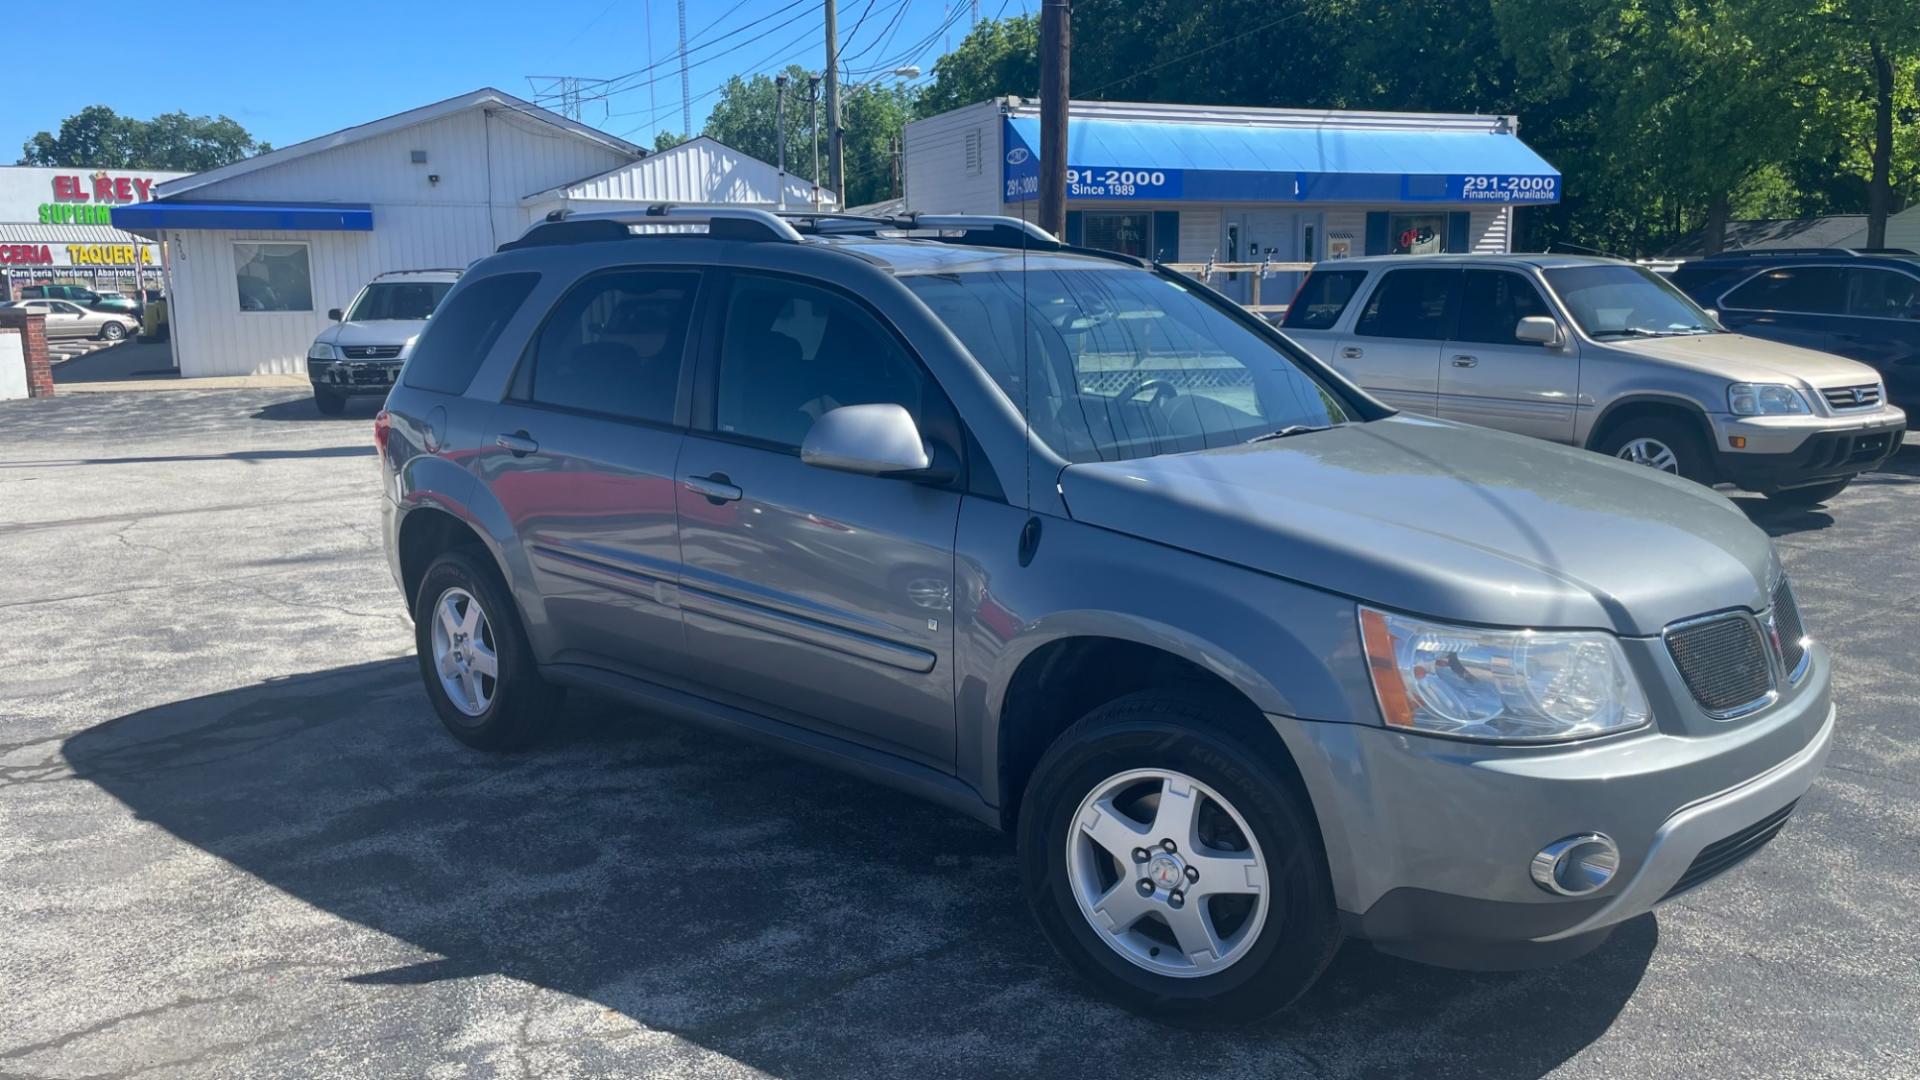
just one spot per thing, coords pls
(667, 140)
(874, 116)
(745, 119)
(1872, 90)
(997, 57)
(97, 137)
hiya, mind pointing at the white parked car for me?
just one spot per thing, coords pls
(362, 351)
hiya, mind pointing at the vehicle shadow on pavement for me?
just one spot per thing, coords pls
(798, 921)
(359, 410)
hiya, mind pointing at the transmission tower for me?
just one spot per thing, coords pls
(686, 96)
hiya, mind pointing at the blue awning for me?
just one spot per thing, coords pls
(1194, 161)
(290, 217)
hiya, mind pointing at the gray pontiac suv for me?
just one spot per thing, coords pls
(1246, 660)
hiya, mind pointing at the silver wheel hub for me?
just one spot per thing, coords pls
(463, 652)
(1652, 453)
(1167, 873)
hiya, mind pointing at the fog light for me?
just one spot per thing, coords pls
(1739, 441)
(1577, 865)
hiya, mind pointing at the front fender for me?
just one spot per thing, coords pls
(1291, 650)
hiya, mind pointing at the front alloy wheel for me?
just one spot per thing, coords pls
(1167, 873)
(1652, 453)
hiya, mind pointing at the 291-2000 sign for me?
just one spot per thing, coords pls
(1113, 181)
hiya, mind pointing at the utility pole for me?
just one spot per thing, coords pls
(834, 175)
(780, 133)
(813, 119)
(1056, 51)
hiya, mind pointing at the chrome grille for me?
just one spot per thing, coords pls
(1864, 396)
(371, 352)
(1786, 621)
(1723, 660)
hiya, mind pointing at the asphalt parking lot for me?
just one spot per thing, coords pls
(234, 840)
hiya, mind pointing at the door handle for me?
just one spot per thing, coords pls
(1351, 352)
(519, 442)
(1466, 361)
(717, 488)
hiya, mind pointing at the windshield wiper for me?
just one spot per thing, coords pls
(1290, 429)
(1644, 331)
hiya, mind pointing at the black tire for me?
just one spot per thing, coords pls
(1809, 496)
(521, 701)
(328, 402)
(1192, 735)
(112, 331)
(1691, 457)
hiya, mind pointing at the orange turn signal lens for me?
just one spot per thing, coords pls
(1395, 708)
(1739, 442)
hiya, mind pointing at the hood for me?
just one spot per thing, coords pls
(1448, 521)
(381, 332)
(1740, 358)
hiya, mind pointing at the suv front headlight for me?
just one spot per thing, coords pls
(1508, 685)
(1766, 399)
(320, 350)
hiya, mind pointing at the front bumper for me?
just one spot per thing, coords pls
(1780, 452)
(353, 376)
(1428, 840)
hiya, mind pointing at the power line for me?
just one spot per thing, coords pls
(886, 35)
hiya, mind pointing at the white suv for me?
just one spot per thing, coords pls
(362, 351)
(1601, 354)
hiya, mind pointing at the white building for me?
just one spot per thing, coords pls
(259, 250)
(700, 170)
(1222, 184)
(54, 228)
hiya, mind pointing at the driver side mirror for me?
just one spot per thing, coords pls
(1539, 330)
(873, 440)
(335, 314)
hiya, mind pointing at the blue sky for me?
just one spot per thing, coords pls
(289, 76)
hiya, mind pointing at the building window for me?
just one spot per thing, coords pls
(1128, 234)
(1417, 234)
(273, 277)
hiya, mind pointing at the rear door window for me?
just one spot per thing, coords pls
(614, 345)
(1492, 303)
(458, 338)
(1881, 294)
(1411, 304)
(1809, 290)
(1323, 296)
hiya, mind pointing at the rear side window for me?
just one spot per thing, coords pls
(1411, 304)
(1323, 296)
(1882, 294)
(1492, 303)
(614, 345)
(463, 331)
(1811, 290)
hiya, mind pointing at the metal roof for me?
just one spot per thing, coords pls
(399, 121)
(31, 233)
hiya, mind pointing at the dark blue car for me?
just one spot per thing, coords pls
(1863, 305)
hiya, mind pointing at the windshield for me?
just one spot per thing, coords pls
(399, 300)
(1125, 363)
(1611, 301)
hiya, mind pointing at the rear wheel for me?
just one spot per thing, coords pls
(1662, 443)
(328, 402)
(474, 657)
(112, 331)
(1173, 867)
(1810, 496)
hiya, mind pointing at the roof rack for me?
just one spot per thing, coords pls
(1886, 251)
(731, 222)
(1768, 253)
(784, 226)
